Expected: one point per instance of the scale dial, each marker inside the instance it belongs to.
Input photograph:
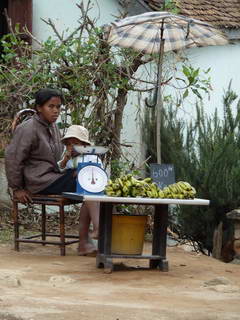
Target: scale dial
(92, 178)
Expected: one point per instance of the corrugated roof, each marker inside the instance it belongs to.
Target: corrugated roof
(221, 13)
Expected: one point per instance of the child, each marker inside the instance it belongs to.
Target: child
(79, 136)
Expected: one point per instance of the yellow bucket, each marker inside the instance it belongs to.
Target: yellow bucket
(128, 234)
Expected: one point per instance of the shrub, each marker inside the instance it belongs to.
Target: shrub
(206, 153)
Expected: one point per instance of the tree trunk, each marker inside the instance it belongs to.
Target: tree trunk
(217, 242)
(159, 104)
(121, 102)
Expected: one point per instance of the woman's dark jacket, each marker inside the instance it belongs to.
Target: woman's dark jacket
(32, 155)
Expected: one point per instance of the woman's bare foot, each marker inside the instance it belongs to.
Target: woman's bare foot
(87, 249)
(93, 234)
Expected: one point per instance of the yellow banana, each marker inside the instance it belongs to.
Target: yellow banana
(110, 193)
(193, 190)
(185, 185)
(173, 188)
(149, 194)
(160, 194)
(128, 184)
(118, 193)
(119, 182)
(177, 186)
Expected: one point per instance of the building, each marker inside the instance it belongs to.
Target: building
(223, 61)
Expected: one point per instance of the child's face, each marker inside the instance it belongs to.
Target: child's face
(74, 141)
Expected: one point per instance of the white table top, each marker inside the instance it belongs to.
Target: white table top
(139, 200)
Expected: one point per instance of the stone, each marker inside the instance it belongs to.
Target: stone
(10, 280)
(234, 214)
(225, 288)
(236, 260)
(236, 248)
(58, 281)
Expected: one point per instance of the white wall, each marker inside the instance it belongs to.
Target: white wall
(65, 14)
(5, 200)
(131, 131)
(224, 62)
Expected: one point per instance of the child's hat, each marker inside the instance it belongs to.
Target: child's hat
(78, 132)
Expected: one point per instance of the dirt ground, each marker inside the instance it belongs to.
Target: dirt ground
(38, 284)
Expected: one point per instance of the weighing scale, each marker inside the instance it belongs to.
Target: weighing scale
(91, 177)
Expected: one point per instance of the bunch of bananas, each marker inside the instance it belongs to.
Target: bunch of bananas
(129, 186)
(179, 190)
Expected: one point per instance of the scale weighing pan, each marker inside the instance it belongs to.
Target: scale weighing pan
(90, 149)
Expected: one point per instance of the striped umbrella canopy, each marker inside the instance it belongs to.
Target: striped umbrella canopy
(145, 32)
(159, 32)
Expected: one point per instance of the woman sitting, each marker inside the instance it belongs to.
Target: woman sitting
(33, 154)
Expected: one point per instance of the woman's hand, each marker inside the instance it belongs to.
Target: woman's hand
(22, 196)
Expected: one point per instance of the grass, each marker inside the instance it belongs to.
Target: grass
(6, 235)
(31, 223)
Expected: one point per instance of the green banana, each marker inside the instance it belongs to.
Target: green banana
(129, 186)
(148, 180)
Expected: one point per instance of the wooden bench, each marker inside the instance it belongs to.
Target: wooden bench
(46, 200)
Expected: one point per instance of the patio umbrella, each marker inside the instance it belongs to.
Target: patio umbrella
(159, 32)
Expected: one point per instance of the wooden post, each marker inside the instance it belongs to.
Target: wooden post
(217, 242)
(159, 104)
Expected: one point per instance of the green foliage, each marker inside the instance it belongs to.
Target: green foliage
(92, 77)
(169, 5)
(194, 82)
(120, 168)
(205, 153)
(1, 153)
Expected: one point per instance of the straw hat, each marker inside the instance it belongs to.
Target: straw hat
(78, 132)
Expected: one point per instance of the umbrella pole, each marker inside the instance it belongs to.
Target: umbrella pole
(159, 103)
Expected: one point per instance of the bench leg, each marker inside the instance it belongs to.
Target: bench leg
(62, 230)
(43, 223)
(16, 225)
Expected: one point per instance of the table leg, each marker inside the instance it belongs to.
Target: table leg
(159, 242)
(105, 237)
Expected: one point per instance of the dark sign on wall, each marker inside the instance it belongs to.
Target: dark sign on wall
(162, 174)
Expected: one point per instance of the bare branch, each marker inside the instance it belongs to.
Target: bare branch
(32, 36)
(52, 25)
(9, 22)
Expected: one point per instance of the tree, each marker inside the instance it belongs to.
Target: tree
(205, 153)
(95, 78)
(95, 83)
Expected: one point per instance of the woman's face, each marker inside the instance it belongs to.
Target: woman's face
(50, 110)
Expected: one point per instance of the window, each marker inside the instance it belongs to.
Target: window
(20, 11)
(3, 22)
